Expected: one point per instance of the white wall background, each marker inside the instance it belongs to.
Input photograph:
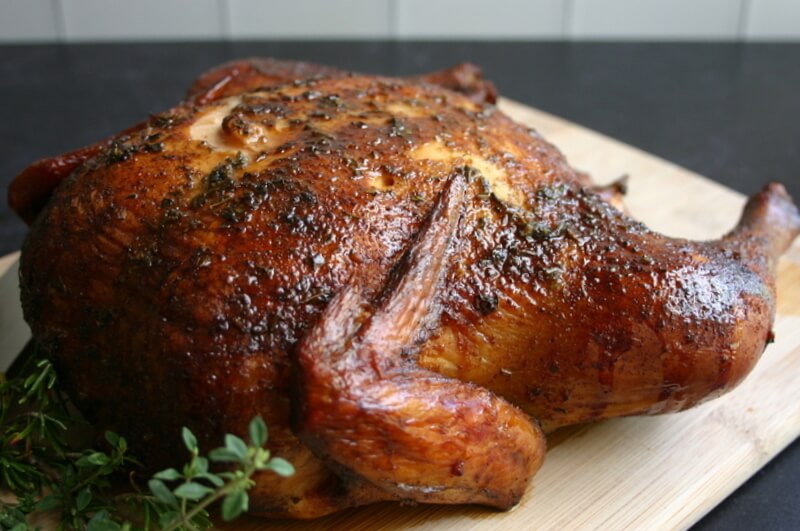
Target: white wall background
(111, 20)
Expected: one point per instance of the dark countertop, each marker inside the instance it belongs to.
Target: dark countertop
(730, 112)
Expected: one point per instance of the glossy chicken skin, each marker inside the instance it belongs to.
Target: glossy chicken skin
(30, 191)
(404, 283)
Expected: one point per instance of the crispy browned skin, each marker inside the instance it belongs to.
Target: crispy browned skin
(245, 75)
(420, 436)
(399, 270)
(31, 190)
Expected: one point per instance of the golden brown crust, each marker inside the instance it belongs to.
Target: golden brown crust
(616, 320)
(372, 412)
(245, 75)
(31, 189)
(172, 276)
(465, 78)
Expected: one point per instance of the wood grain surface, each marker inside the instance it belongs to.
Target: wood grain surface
(7, 261)
(645, 472)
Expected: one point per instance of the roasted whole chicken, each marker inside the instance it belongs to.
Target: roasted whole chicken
(409, 287)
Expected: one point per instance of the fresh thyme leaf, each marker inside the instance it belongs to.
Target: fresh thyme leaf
(93, 459)
(113, 439)
(160, 491)
(101, 521)
(258, 432)
(212, 478)
(169, 474)
(47, 503)
(280, 466)
(234, 504)
(83, 499)
(236, 446)
(192, 491)
(46, 474)
(166, 518)
(189, 440)
(223, 455)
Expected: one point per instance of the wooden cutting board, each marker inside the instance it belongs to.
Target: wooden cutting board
(635, 473)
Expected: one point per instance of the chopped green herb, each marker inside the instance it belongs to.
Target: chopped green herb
(45, 473)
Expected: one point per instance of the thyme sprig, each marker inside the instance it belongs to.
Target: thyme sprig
(40, 466)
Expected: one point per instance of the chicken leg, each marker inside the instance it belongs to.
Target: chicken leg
(614, 319)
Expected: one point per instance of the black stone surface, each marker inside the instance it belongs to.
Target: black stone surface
(730, 112)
